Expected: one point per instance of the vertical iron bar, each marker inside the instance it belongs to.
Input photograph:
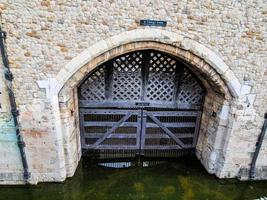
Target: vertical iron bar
(196, 131)
(143, 131)
(252, 171)
(179, 72)
(144, 73)
(82, 129)
(108, 80)
(14, 111)
(138, 131)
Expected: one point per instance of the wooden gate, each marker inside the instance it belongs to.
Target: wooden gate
(144, 102)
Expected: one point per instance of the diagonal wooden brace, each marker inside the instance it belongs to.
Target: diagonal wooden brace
(113, 128)
(167, 131)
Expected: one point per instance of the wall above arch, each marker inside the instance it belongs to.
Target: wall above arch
(148, 35)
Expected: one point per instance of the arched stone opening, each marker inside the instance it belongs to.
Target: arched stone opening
(143, 103)
(215, 118)
(221, 84)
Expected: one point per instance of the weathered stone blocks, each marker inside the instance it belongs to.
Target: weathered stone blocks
(50, 53)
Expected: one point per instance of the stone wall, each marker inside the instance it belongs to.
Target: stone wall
(44, 36)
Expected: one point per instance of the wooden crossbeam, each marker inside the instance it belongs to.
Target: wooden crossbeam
(167, 131)
(113, 128)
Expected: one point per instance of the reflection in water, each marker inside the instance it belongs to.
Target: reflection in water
(120, 165)
(183, 179)
(117, 165)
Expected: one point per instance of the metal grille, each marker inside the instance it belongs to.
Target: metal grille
(161, 80)
(93, 89)
(127, 77)
(190, 91)
(144, 102)
(145, 76)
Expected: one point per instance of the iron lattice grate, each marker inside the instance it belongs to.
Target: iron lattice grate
(93, 89)
(151, 76)
(190, 91)
(142, 102)
(126, 83)
(161, 79)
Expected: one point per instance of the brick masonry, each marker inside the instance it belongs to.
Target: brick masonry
(52, 45)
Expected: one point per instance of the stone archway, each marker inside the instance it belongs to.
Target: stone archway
(222, 86)
(143, 103)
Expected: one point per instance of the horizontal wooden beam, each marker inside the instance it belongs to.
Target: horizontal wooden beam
(108, 111)
(136, 112)
(134, 104)
(112, 147)
(133, 135)
(135, 124)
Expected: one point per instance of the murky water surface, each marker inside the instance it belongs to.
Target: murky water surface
(184, 179)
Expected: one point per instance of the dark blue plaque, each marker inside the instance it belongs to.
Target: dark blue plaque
(150, 22)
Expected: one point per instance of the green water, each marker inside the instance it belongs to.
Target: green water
(181, 180)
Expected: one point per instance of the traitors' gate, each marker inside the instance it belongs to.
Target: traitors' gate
(141, 103)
